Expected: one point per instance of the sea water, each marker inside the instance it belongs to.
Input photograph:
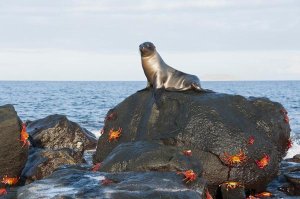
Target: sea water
(88, 102)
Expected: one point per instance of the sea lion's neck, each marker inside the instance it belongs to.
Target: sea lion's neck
(151, 64)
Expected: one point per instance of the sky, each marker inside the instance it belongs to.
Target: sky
(97, 40)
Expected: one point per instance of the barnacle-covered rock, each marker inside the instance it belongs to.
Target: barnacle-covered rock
(43, 162)
(57, 132)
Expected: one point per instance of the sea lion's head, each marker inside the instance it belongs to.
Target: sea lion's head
(147, 49)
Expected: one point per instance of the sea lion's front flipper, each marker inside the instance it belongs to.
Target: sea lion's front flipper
(157, 93)
(158, 90)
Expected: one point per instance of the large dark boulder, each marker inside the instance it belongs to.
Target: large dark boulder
(213, 125)
(148, 156)
(57, 132)
(79, 183)
(12, 156)
(42, 162)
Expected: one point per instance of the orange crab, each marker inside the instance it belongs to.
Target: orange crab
(187, 152)
(263, 194)
(189, 175)
(262, 163)
(3, 191)
(114, 134)
(24, 136)
(231, 185)
(251, 140)
(10, 181)
(106, 181)
(96, 167)
(235, 159)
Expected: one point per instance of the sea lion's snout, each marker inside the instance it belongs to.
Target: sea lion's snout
(146, 48)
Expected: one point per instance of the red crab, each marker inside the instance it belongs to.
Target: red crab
(286, 119)
(285, 116)
(289, 144)
(111, 116)
(283, 111)
(114, 134)
(3, 191)
(251, 140)
(207, 195)
(235, 159)
(189, 175)
(262, 163)
(106, 182)
(24, 136)
(96, 167)
(187, 152)
(10, 181)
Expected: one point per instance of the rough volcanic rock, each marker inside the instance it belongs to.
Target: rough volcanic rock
(42, 162)
(79, 183)
(57, 132)
(148, 156)
(12, 156)
(211, 125)
(233, 193)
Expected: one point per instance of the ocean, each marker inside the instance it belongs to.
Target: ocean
(88, 102)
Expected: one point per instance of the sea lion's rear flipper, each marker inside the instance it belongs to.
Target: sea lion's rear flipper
(197, 88)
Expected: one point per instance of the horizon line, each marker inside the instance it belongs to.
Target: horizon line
(141, 80)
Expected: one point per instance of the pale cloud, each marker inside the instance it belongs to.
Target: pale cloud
(229, 39)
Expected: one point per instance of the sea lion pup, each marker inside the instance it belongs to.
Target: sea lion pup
(162, 76)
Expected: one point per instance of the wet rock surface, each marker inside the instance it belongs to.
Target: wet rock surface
(148, 156)
(57, 132)
(287, 184)
(12, 156)
(215, 127)
(76, 182)
(42, 162)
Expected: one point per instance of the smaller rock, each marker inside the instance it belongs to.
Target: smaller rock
(296, 159)
(70, 183)
(42, 163)
(148, 156)
(57, 132)
(286, 185)
(294, 179)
